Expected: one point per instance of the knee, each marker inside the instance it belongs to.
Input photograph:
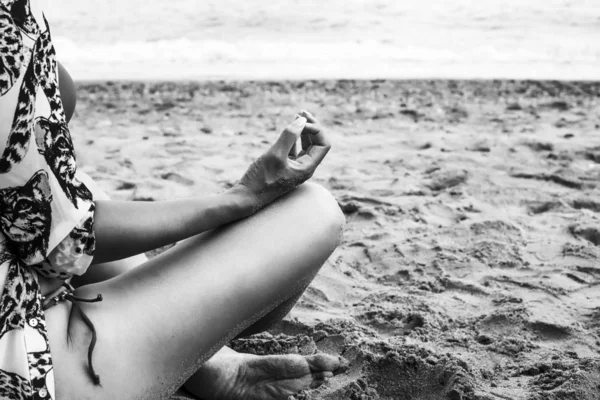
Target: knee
(320, 202)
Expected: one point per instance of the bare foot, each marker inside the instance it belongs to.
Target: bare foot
(229, 375)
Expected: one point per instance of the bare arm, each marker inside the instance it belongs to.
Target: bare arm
(126, 228)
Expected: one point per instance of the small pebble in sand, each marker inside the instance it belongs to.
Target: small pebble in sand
(484, 339)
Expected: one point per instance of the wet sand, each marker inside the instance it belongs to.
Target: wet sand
(469, 264)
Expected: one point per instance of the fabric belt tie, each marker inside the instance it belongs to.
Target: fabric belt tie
(65, 292)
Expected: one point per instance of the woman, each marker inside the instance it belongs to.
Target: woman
(243, 259)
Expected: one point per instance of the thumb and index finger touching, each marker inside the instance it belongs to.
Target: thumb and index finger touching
(314, 143)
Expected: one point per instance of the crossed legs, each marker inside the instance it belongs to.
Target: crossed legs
(160, 322)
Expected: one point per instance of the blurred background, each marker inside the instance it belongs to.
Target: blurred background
(299, 39)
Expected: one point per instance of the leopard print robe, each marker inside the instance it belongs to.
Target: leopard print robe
(46, 212)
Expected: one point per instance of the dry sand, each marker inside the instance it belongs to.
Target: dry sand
(469, 265)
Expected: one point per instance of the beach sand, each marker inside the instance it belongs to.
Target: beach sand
(469, 266)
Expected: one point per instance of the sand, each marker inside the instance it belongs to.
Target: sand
(469, 264)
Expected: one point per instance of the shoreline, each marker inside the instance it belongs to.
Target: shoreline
(186, 81)
(458, 88)
(300, 79)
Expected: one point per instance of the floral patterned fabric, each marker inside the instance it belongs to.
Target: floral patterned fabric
(46, 212)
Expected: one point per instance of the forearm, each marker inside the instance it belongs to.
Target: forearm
(126, 228)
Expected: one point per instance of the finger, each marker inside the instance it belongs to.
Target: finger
(295, 148)
(313, 156)
(312, 128)
(315, 145)
(305, 140)
(309, 117)
(293, 154)
(310, 159)
(306, 137)
(317, 134)
(326, 363)
(289, 136)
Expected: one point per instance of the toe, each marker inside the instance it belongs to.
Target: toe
(326, 362)
(321, 376)
(344, 365)
(316, 384)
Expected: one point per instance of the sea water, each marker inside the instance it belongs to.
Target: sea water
(300, 39)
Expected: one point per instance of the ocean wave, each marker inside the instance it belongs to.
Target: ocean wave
(206, 59)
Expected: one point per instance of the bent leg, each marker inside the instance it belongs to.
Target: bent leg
(159, 322)
(105, 271)
(273, 317)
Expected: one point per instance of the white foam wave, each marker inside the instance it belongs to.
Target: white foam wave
(255, 59)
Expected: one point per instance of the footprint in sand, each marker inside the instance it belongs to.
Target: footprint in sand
(446, 178)
(590, 233)
(175, 177)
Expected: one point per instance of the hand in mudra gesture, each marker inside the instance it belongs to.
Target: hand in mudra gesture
(280, 169)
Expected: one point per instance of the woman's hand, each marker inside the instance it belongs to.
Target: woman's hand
(280, 169)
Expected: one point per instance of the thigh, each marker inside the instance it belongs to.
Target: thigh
(105, 271)
(160, 321)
